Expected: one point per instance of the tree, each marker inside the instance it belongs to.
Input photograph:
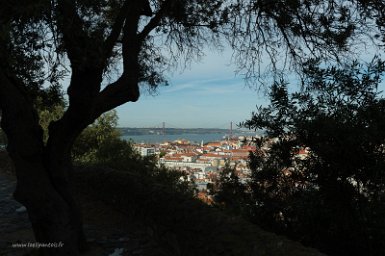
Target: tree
(230, 192)
(92, 40)
(332, 198)
(95, 136)
(92, 36)
(287, 33)
(100, 144)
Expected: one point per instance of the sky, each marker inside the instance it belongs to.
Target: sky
(208, 94)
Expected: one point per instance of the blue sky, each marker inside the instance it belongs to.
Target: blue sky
(208, 94)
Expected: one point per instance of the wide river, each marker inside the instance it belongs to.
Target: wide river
(198, 138)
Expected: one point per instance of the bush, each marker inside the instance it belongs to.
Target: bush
(100, 145)
(229, 193)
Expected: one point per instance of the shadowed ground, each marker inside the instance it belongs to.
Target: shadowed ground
(107, 229)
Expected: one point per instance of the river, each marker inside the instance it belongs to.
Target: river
(197, 138)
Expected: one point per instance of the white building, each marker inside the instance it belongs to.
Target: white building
(180, 165)
(147, 151)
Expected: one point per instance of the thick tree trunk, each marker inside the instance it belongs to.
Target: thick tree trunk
(42, 175)
(43, 170)
(53, 212)
(49, 213)
(60, 167)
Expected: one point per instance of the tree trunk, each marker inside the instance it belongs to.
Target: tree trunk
(48, 212)
(54, 215)
(43, 185)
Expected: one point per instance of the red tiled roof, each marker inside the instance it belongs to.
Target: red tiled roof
(250, 148)
(210, 155)
(189, 154)
(235, 158)
(171, 158)
(213, 144)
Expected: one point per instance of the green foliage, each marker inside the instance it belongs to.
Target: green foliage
(100, 144)
(229, 193)
(332, 198)
(26, 48)
(180, 224)
(299, 29)
(48, 115)
(94, 143)
(50, 105)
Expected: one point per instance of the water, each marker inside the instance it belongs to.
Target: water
(197, 138)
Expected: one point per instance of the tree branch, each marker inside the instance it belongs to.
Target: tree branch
(19, 120)
(116, 30)
(123, 15)
(71, 25)
(154, 22)
(126, 88)
(115, 94)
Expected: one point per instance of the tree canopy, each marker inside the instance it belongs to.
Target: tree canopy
(330, 197)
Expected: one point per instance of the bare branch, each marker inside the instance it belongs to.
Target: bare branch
(153, 23)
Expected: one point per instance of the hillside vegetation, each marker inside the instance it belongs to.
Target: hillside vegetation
(180, 224)
(183, 225)
(111, 171)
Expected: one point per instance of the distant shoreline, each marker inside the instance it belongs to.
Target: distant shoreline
(191, 137)
(126, 131)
